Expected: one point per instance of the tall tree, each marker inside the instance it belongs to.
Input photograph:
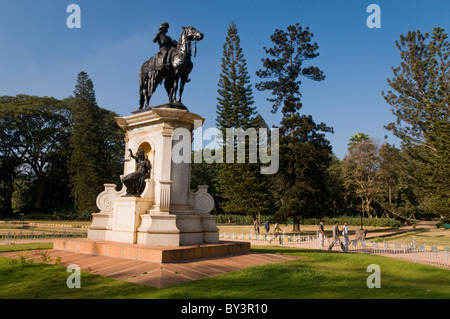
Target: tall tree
(235, 110)
(358, 137)
(336, 187)
(8, 174)
(301, 183)
(361, 171)
(285, 67)
(420, 99)
(305, 154)
(113, 146)
(235, 99)
(398, 196)
(96, 144)
(85, 172)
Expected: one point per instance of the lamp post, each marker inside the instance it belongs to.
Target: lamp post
(361, 233)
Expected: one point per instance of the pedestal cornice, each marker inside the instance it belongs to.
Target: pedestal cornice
(156, 115)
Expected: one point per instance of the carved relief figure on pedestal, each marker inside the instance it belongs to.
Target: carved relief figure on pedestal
(135, 182)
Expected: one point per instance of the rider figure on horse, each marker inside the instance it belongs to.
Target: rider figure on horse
(171, 65)
(165, 44)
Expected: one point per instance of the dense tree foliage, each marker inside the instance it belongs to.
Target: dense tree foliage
(285, 66)
(361, 171)
(338, 196)
(300, 184)
(420, 99)
(34, 139)
(44, 141)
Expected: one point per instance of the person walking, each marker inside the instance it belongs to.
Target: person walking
(276, 233)
(345, 234)
(267, 226)
(322, 234)
(336, 238)
(256, 225)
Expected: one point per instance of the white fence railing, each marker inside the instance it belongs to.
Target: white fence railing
(434, 255)
(10, 238)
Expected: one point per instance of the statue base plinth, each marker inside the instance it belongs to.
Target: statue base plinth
(176, 105)
(361, 234)
(164, 229)
(151, 253)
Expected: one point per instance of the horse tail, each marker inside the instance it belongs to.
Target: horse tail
(142, 75)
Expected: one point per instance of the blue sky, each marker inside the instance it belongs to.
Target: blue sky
(40, 55)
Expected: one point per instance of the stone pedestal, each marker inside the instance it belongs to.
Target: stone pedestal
(161, 254)
(126, 219)
(167, 213)
(361, 235)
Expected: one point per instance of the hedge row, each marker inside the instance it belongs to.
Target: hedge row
(238, 219)
(351, 220)
(241, 219)
(354, 221)
(78, 216)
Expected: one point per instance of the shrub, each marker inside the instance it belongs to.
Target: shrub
(62, 215)
(238, 219)
(351, 220)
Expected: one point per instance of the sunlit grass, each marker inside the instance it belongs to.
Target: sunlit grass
(318, 275)
(31, 246)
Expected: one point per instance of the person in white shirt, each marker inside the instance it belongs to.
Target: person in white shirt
(321, 234)
(345, 234)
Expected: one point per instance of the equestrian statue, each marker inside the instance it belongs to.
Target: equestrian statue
(172, 64)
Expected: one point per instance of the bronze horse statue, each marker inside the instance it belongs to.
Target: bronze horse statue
(175, 74)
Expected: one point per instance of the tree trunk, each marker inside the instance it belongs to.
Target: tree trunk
(369, 215)
(40, 192)
(390, 195)
(296, 225)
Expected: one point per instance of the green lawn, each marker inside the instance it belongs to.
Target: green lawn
(319, 275)
(428, 237)
(20, 247)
